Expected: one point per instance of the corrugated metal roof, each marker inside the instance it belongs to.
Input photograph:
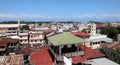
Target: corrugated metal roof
(11, 60)
(102, 39)
(65, 38)
(103, 61)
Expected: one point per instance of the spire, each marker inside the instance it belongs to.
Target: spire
(18, 23)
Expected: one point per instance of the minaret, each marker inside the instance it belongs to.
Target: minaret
(35, 25)
(18, 23)
(93, 29)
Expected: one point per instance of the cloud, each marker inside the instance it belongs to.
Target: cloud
(99, 16)
(79, 17)
(7, 16)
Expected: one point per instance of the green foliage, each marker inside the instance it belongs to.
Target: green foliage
(25, 27)
(96, 22)
(111, 32)
(115, 55)
(8, 22)
(109, 24)
(117, 58)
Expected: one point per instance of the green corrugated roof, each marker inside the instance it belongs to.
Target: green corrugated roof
(65, 38)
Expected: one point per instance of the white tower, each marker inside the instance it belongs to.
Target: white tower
(18, 23)
(93, 29)
(118, 37)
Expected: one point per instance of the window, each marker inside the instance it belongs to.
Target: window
(20, 40)
(35, 40)
(40, 40)
(2, 47)
(12, 44)
(92, 30)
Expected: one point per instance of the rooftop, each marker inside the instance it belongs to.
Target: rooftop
(26, 48)
(100, 26)
(41, 57)
(80, 34)
(100, 61)
(65, 38)
(11, 60)
(89, 53)
(113, 46)
(9, 25)
(3, 42)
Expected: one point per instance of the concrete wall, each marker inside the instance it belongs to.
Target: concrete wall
(3, 30)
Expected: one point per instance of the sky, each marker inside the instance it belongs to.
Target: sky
(60, 10)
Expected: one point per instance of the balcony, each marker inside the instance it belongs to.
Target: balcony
(73, 54)
(2, 49)
(60, 58)
(68, 54)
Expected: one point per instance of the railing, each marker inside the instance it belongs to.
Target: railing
(58, 57)
(11, 46)
(2, 49)
(73, 54)
(12, 31)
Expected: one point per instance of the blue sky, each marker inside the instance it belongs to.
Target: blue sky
(60, 10)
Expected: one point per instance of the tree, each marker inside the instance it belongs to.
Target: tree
(111, 32)
(25, 27)
(117, 58)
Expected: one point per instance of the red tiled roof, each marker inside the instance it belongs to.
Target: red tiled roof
(100, 26)
(89, 53)
(77, 59)
(3, 42)
(49, 31)
(80, 34)
(41, 57)
(113, 46)
(47, 25)
(25, 48)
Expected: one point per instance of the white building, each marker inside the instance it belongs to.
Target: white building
(82, 27)
(97, 39)
(99, 61)
(10, 29)
(32, 37)
(53, 27)
(118, 37)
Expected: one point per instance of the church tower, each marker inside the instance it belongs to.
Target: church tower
(93, 29)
